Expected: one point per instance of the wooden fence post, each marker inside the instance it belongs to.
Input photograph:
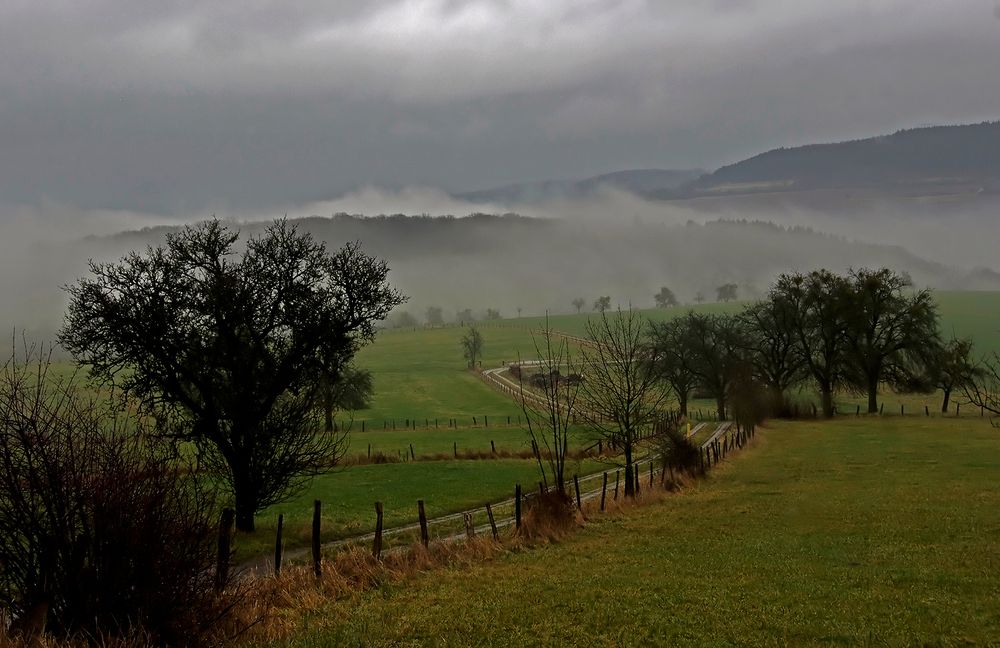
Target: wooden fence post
(470, 530)
(493, 446)
(517, 505)
(317, 565)
(377, 544)
(635, 478)
(617, 475)
(277, 545)
(369, 451)
(424, 536)
(225, 539)
(604, 490)
(493, 524)
(455, 448)
(576, 485)
(413, 456)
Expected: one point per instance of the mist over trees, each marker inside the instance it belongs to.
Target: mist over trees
(505, 262)
(726, 292)
(472, 346)
(665, 298)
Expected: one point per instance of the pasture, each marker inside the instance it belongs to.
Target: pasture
(348, 496)
(419, 375)
(851, 532)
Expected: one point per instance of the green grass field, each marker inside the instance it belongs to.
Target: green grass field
(419, 373)
(874, 532)
(348, 497)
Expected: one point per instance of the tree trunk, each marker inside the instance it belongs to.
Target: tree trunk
(873, 397)
(683, 405)
(944, 403)
(720, 403)
(245, 505)
(244, 519)
(629, 480)
(827, 397)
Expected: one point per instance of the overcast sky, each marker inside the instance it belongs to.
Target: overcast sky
(174, 107)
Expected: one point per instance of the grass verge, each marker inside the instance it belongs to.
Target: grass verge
(854, 532)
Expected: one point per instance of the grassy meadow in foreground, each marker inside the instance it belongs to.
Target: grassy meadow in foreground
(867, 531)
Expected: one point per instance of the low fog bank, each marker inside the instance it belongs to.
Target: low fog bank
(613, 244)
(41, 249)
(959, 230)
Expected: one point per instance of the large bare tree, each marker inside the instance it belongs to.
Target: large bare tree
(549, 404)
(622, 395)
(674, 362)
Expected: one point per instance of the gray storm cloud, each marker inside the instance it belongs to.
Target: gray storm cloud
(181, 106)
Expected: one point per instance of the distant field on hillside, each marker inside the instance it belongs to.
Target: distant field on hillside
(852, 532)
(419, 373)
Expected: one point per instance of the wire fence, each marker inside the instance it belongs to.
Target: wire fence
(493, 517)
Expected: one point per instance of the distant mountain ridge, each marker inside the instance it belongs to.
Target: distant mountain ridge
(962, 160)
(908, 161)
(638, 181)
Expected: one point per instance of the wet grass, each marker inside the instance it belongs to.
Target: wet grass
(853, 532)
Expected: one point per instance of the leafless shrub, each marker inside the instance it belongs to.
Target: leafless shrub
(103, 532)
(678, 455)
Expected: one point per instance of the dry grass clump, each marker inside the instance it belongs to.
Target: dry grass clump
(133, 640)
(278, 604)
(549, 518)
(362, 459)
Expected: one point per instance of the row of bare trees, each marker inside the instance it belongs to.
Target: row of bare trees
(856, 332)
(617, 398)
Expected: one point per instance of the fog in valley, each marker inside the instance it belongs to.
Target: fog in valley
(533, 257)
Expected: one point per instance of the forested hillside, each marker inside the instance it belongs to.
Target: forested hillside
(913, 159)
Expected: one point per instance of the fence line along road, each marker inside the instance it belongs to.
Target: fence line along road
(503, 512)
